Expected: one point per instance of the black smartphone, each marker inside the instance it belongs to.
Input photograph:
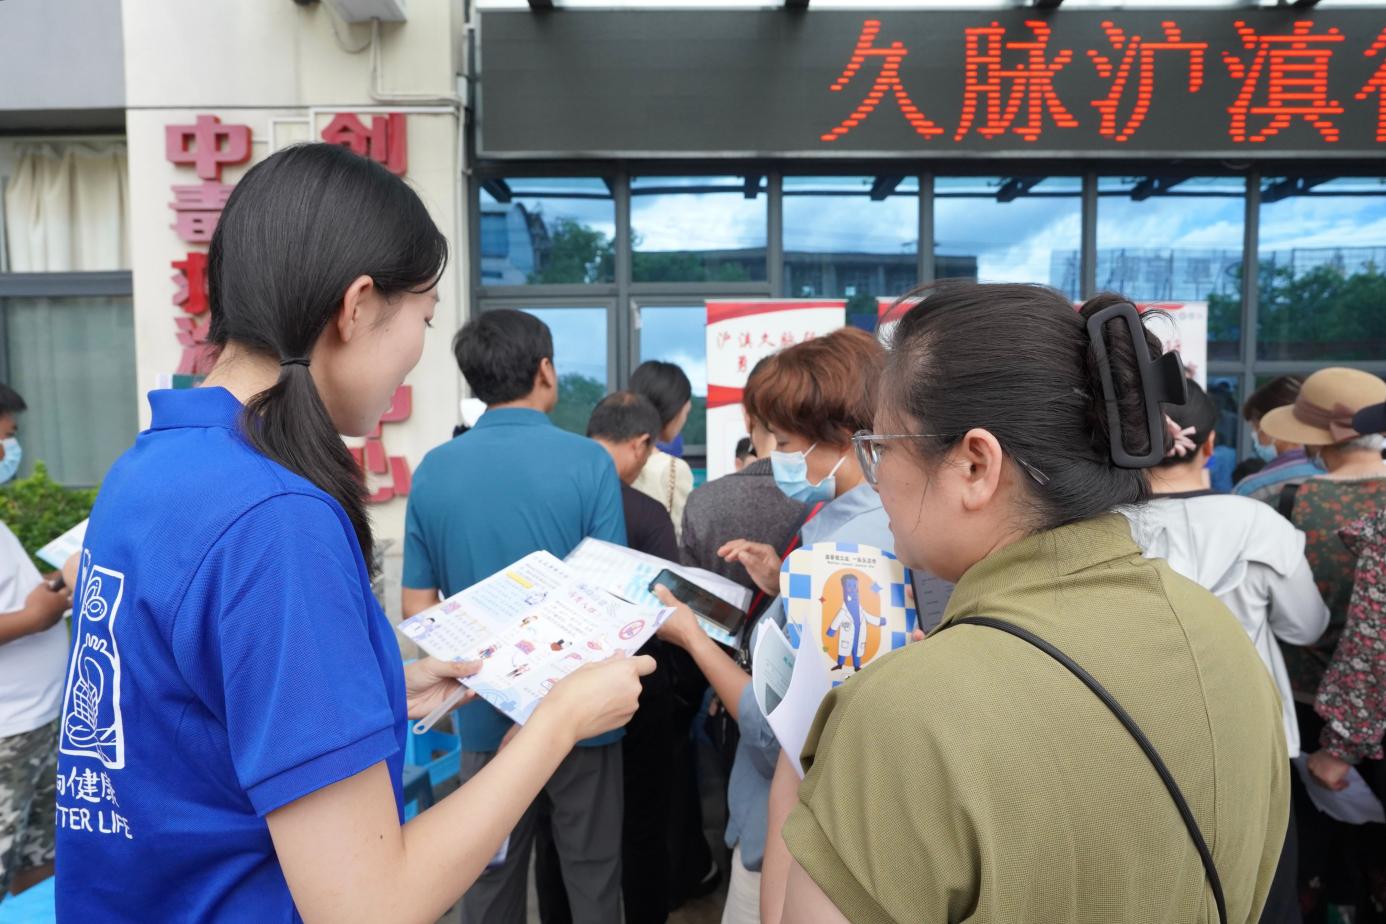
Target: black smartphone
(709, 606)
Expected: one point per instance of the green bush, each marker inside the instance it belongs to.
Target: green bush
(38, 510)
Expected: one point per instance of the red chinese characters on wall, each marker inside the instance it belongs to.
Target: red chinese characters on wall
(392, 472)
(748, 344)
(207, 146)
(1274, 80)
(386, 141)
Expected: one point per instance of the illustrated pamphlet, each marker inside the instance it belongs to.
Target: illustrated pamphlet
(530, 625)
(847, 601)
(845, 606)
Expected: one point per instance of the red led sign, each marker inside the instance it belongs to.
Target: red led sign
(1185, 83)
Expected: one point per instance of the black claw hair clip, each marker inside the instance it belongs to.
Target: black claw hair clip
(1162, 382)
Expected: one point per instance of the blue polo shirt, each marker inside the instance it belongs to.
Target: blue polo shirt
(511, 485)
(228, 659)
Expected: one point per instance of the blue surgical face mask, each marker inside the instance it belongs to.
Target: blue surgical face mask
(1263, 452)
(791, 474)
(9, 466)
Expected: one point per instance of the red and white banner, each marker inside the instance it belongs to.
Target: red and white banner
(739, 334)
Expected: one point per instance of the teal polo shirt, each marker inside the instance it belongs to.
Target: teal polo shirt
(511, 485)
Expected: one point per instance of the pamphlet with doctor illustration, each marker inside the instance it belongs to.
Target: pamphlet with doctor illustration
(845, 606)
(530, 625)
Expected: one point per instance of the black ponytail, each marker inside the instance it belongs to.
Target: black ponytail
(1016, 360)
(296, 231)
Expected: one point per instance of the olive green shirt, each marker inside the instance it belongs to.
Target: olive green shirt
(971, 777)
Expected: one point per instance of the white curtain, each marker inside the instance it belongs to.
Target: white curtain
(67, 208)
(71, 357)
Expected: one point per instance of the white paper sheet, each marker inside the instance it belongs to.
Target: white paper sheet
(791, 720)
(531, 625)
(1355, 805)
(628, 573)
(57, 552)
(772, 666)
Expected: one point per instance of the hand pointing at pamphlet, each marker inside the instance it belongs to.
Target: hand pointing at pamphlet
(596, 698)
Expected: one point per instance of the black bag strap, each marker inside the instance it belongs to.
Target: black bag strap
(1110, 702)
(1286, 504)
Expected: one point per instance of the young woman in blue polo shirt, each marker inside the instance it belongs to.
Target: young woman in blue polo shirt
(233, 723)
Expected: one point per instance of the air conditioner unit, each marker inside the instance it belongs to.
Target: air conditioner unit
(366, 10)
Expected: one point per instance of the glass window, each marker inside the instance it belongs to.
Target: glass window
(851, 237)
(579, 356)
(1009, 229)
(537, 231)
(678, 335)
(73, 361)
(1225, 390)
(1170, 239)
(1322, 269)
(698, 229)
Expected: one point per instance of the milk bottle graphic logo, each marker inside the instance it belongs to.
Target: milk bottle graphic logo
(91, 707)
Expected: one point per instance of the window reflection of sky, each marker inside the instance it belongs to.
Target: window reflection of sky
(1035, 237)
(1013, 241)
(677, 335)
(557, 198)
(840, 242)
(1182, 244)
(719, 221)
(1333, 215)
(579, 340)
(837, 215)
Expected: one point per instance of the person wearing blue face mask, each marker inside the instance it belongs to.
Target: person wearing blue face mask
(792, 473)
(1286, 463)
(11, 406)
(813, 398)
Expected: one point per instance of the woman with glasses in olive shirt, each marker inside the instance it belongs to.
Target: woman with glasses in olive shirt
(973, 777)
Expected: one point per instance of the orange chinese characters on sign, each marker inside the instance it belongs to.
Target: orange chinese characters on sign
(374, 460)
(1138, 55)
(1005, 93)
(1377, 84)
(1285, 79)
(386, 142)
(887, 81)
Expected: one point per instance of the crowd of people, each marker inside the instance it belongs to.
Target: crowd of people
(1136, 704)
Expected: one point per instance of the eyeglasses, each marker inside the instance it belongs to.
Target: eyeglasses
(870, 447)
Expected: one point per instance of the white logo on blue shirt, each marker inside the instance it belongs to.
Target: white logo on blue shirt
(92, 724)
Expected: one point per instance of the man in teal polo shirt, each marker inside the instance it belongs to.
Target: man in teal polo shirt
(511, 485)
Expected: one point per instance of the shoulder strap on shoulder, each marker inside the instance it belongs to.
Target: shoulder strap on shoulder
(1286, 502)
(1129, 723)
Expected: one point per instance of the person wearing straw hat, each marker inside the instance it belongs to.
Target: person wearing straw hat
(1352, 695)
(1353, 487)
